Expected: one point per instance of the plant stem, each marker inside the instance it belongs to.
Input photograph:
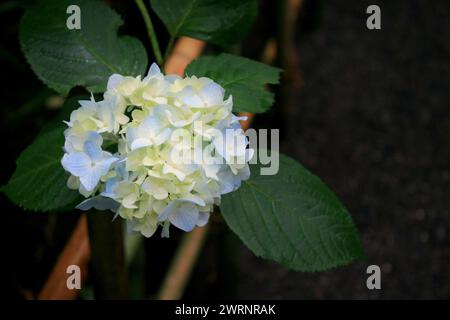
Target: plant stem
(169, 48)
(109, 272)
(182, 265)
(151, 32)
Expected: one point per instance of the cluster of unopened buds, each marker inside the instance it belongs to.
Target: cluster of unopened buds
(156, 151)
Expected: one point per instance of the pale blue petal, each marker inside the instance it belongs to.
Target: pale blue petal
(109, 188)
(99, 203)
(77, 163)
(154, 70)
(131, 134)
(171, 78)
(90, 180)
(95, 137)
(203, 218)
(105, 164)
(237, 182)
(93, 150)
(194, 199)
(167, 211)
(185, 217)
(226, 179)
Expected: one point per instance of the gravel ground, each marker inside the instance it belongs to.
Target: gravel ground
(372, 120)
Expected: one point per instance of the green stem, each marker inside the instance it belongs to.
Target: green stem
(169, 48)
(151, 32)
(109, 272)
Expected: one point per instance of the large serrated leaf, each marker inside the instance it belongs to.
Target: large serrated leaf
(243, 78)
(221, 22)
(39, 182)
(292, 218)
(64, 58)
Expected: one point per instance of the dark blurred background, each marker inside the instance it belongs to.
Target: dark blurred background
(366, 110)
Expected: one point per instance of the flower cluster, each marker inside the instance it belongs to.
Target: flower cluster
(157, 151)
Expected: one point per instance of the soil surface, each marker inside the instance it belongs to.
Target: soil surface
(371, 117)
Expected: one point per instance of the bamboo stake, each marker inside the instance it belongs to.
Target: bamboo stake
(185, 50)
(76, 252)
(182, 265)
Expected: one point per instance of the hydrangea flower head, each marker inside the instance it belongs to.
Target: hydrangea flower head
(157, 151)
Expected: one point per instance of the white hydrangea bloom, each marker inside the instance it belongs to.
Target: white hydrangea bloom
(171, 148)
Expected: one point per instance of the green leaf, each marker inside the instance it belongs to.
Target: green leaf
(219, 22)
(64, 58)
(241, 77)
(292, 218)
(63, 114)
(39, 182)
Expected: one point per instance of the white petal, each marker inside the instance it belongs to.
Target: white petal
(73, 183)
(244, 173)
(249, 153)
(228, 104)
(160, 193)
(139, 143)
(150, 125)
(219, 145)
(211, 170)
(165, 230)
(189, 97)
(212, 94)
(113, 81)
(236, 119)
(153, 71)
(163, 136)
(178, 173)
(129, 201)
(132, 134)
(193, 101)
(148, 230)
